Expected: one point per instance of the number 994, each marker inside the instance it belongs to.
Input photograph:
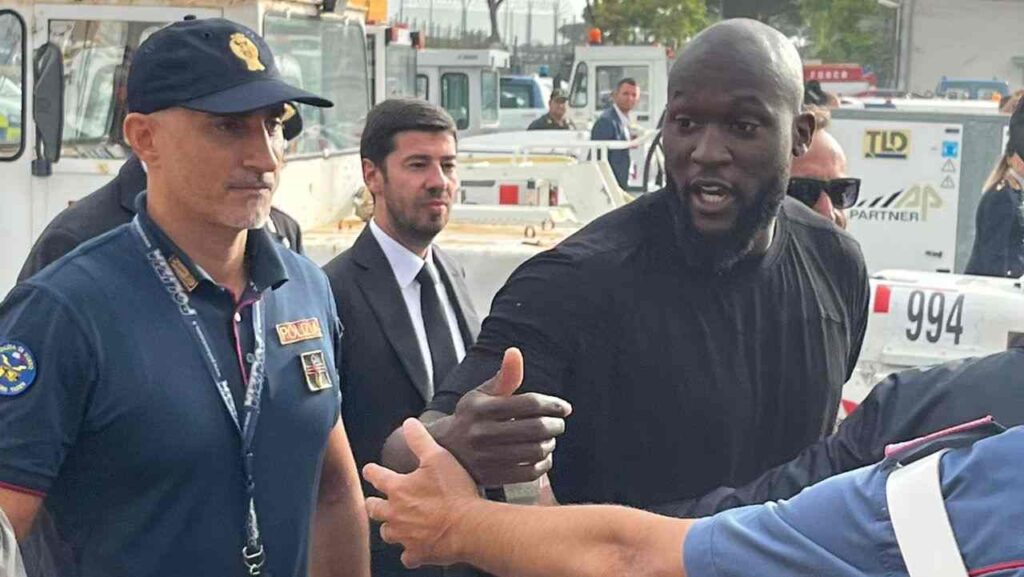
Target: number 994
(928, 316)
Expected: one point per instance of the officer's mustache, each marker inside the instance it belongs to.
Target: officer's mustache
(259, 182)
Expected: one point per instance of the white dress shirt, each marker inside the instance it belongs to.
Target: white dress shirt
(623, 121)
(406, 265)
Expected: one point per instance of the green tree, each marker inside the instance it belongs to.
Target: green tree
(667, 22)
(858, 31)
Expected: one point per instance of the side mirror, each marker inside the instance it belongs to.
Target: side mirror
(48, 107)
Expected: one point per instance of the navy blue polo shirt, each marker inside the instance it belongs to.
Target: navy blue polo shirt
(122, 428)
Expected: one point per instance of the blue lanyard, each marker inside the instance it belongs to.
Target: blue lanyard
(253, 556)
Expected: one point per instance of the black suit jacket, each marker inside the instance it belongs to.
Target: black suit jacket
(384, 378)
(383, 375)
(108, 208)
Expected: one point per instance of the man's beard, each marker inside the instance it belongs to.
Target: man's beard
(718, 254)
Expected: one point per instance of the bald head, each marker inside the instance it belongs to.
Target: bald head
(824, 160)
(746, 51)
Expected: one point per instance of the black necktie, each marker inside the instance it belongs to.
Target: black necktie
(439, 335)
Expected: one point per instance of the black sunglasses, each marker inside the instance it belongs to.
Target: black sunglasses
(843, 192)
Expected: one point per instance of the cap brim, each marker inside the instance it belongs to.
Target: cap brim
(253, 96)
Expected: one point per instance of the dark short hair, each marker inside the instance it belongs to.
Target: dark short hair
(627, 80)
(397, 115)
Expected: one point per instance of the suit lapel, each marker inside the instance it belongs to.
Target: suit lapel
(458, 294)
(377, 281)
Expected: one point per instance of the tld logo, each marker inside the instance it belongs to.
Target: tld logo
(886, 144)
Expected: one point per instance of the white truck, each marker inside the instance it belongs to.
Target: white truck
(598, 69)
(392, 52)
(63, 69)
(465, 83)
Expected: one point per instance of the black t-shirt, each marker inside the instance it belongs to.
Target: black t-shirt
(680, 381)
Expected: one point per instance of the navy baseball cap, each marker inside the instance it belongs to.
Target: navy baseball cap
(210, 65)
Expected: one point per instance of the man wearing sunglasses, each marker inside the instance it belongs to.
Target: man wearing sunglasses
(818, 179)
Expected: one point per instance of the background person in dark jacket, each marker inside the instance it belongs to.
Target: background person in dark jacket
(904, 406)
(556, 117)
(613, 124)
(999, 223)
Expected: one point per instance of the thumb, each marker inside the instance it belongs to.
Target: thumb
(419, 440)
(508, 377)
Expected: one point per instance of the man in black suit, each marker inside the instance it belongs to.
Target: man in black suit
(613, 124)
(113, 204)
(404, 303)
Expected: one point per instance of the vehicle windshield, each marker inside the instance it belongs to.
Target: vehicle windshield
(97, 54)
(489, 96)
(608, 78)
(11, 67)
(518, 93)
(326, 57)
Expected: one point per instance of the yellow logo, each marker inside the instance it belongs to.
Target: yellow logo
(184, 275)
(246, 51)
(289, 112)
(297, 331)
(886, 144)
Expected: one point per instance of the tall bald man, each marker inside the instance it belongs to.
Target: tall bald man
(701, 333)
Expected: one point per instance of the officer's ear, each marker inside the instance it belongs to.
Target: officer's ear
(138, 132)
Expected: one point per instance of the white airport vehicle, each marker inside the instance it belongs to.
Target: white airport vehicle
(392, 51)
(598, 69)
(524, 98)
(465, 83)
(920, 319)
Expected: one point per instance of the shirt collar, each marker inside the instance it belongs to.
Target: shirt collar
(405, 263)
(265, 267)
(622, 116)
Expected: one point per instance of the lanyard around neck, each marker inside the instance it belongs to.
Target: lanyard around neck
(253, 556)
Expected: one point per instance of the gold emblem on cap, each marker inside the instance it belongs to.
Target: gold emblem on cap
(246, 51)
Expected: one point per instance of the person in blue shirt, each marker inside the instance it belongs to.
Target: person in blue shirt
(838, 528)
(167, 389)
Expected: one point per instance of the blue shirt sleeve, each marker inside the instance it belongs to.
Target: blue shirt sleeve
(41, 423)
(841, 526)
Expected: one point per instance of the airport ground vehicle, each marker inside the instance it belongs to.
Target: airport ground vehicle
(392, 51)
(967, 89)
(68, 62)
(465, 83)
(524, 98)
(598, 69)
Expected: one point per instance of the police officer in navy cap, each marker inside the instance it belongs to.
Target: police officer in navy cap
(113, 204)
(167, 390)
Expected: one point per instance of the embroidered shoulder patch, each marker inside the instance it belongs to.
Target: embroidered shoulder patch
(17, 368)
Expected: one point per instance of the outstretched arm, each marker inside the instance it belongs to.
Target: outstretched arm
(436, 515)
